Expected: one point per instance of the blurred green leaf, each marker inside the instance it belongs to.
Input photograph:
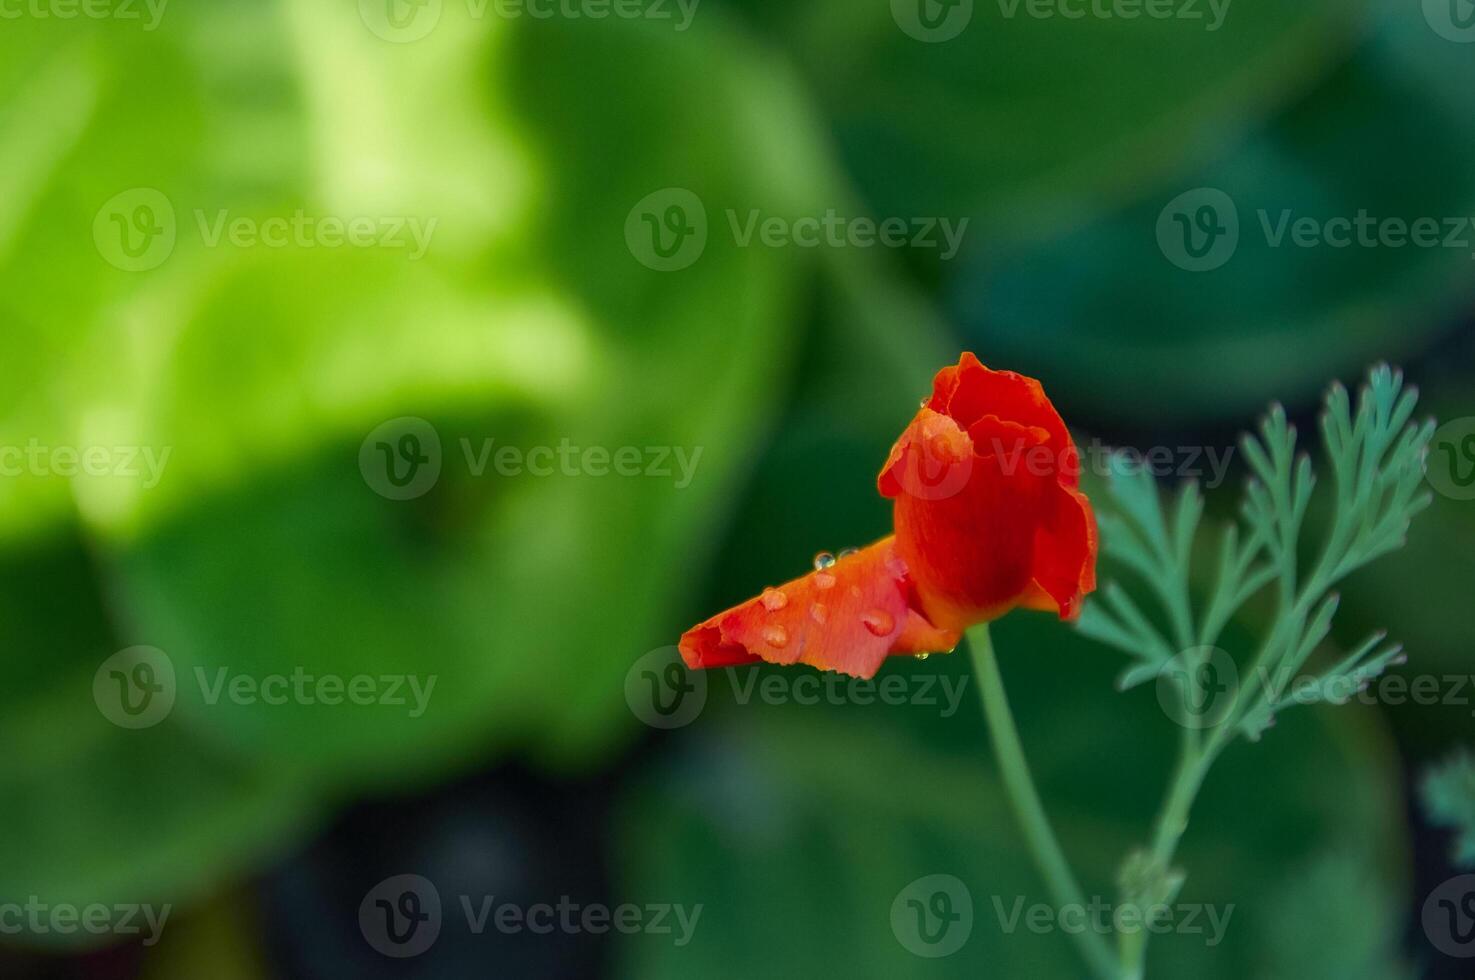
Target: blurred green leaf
(1019, 120)
(1272, 322)
(264, 551)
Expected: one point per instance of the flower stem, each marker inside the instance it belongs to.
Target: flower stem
(1025, 801)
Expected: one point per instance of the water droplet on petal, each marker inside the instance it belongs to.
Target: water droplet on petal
(847, 552)
(923, 656)
(823, 560)
(774, 600)
(819, 613)
(879, 622)
(776, 636)
(897, 567)
(824, 580)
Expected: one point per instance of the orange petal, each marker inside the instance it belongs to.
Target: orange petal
(1065, 554)
(846, 618)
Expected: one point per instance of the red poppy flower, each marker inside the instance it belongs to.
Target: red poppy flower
(988, 516)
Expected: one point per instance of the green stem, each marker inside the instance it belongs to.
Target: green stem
(1025, 801)
(1172, 821)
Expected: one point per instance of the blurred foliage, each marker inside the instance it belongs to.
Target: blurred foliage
(529, 321)
(1449, 795)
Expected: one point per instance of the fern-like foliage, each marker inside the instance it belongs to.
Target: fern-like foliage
(1448, 792)
(1376, 457)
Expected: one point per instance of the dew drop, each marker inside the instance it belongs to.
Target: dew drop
(846, 553)
(897, 567)
(879, 622)
(823, 560)
(923, 656)
(776, 636)
(819, 613)
(824, 580)
(774, 600)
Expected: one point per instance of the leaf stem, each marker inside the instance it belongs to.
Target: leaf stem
(1024, 799)
(1172, 820)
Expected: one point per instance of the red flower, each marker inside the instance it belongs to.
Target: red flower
(988, 516)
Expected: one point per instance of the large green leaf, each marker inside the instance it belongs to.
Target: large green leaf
(265, 551)
(490, 582)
